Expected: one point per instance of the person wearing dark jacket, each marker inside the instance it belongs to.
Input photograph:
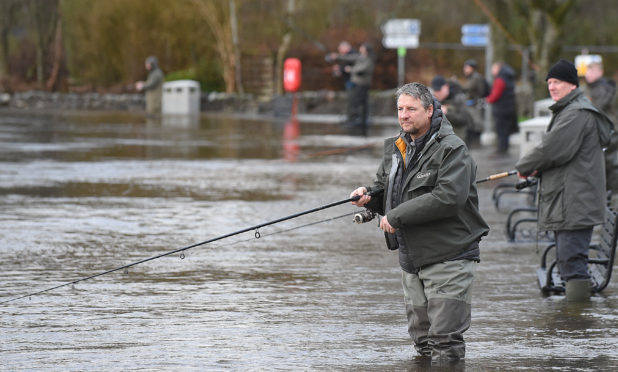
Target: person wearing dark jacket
(453, 103)
(430, 214)
(153, 86)
(476, 88)
(503, 104)
(360, 67)
(569, 162)
(601, 92)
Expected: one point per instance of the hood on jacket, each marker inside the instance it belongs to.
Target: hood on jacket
(507, 73)
(605, 126)
(154, 63)
(436, 117)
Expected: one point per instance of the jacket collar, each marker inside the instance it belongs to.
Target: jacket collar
(564, 101)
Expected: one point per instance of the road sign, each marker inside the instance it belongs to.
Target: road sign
(401, 33)
(582, 62)
(475, 29)
(474, 40)
(403, 26)
(400, 41)
(475, 34)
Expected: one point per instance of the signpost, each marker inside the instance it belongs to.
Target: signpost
(401, 34)
(479, 35)
(475, 34)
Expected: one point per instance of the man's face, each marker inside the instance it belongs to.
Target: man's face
(413, 118)
(593, 73)
(495, 69)
(468, 70)
(442, 93)
(558, 89)
(344, 48)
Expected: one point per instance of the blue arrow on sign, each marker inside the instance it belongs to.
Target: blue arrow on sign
(475, 29)
(474, 40)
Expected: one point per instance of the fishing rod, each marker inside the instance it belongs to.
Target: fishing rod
(497, 176)
(181, 250)
(294, 228)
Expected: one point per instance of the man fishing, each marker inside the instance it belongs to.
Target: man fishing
(430, 214)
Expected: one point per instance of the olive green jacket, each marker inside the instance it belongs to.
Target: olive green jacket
(570, 162)
(438, 215)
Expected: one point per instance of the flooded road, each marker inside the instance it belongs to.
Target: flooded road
(83, 194)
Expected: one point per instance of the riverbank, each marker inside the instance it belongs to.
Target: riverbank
(320, 106)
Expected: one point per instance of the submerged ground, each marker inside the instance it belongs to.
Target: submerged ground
(84, 193)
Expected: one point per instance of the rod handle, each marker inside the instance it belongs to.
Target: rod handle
(370, 193)
(497, 176)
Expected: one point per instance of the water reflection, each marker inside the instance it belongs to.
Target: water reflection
(291, 132)
(86, 193)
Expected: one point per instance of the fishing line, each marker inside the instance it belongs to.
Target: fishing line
(181, 250)
(288, 230)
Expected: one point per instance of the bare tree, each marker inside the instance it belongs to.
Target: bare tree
(545, 20)
(283, 47)
(8, 8)
(43, 16)
(218, 18)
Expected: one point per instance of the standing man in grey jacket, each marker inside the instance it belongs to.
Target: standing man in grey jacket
(430, 209)
(153, 86)
(571, 167)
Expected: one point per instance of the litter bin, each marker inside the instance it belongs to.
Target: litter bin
(531, 133)
(541, 108)
(181, 97)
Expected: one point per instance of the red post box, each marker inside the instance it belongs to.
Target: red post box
(291, 74)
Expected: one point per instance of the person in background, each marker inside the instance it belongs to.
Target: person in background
(503, 104)
(570, 165)
(476, 88)
(360, 67)
(341, 68)
(153, 86)
(453, 101)
(601, 91)
(429, 205)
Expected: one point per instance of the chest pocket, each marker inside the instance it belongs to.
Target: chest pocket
(422, 182)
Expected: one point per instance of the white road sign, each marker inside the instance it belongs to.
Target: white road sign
(401, 33)
(400, 41)
(404, 26)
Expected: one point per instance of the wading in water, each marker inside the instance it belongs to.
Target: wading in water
(430, 214)
(153, 86)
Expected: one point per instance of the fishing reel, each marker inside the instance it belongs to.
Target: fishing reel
(364, 216)
(528, 182)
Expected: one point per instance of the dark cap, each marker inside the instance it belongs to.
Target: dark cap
(438, 82)
(565, 71)
(471, 62)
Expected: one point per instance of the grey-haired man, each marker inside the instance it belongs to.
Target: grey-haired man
(430, 214)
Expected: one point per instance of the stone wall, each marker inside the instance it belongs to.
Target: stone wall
(319, 102)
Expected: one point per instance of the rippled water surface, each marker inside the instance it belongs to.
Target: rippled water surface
(84, 194)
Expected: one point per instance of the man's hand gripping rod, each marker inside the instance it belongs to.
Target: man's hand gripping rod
(366, 215)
